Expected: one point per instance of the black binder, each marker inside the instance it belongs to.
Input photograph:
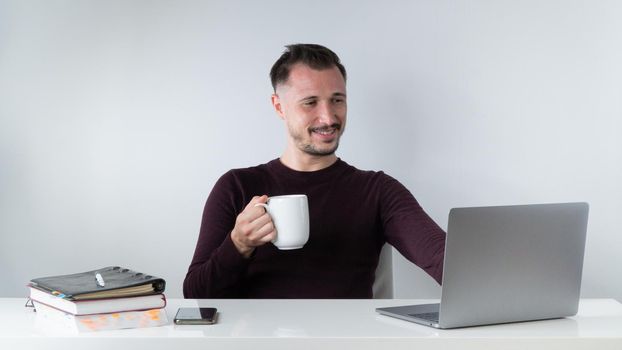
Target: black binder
(112, 282)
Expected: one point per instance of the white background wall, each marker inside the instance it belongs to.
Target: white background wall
(117, 117)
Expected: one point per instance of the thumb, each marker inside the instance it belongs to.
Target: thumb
(256, 200)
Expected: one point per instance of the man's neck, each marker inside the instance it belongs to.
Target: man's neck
(307, 162)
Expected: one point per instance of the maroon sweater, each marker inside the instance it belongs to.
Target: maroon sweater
(352, 214)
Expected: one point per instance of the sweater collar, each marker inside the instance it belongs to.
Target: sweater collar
(321, 174)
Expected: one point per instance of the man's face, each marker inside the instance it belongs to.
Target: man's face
(313, 105)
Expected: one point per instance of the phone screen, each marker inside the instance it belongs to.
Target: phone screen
(196, 315)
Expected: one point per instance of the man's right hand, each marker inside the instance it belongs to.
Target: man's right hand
(253, 227)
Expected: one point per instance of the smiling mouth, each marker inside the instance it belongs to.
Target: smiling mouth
(326, 130)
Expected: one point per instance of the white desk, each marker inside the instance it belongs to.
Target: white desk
(321, 324)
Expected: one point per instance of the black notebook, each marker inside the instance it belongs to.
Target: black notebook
(107, 282)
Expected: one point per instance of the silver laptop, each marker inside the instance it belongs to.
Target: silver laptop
(507, 264)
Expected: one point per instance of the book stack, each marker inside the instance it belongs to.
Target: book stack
(105, 299)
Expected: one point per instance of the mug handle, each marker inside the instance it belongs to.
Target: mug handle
(265, 206)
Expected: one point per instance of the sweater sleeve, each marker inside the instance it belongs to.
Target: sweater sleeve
(217, 268)
(410, 230)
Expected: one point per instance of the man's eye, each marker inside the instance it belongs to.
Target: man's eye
(309, 103)
(338, 100)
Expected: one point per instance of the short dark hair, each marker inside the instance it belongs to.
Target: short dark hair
(313, 55)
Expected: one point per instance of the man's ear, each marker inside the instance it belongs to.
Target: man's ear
(276, 103)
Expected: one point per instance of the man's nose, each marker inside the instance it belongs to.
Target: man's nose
(328, 114)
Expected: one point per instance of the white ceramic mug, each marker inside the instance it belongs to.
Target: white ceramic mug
(290, 215)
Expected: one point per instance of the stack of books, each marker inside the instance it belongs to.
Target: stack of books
(109, 298)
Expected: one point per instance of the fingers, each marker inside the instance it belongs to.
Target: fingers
(261, 220)
(259, 228)
(253, 227)
(256, 200)
(252, 211)
(269, 237)
(266, 233)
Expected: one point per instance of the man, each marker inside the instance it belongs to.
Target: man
(352, 212)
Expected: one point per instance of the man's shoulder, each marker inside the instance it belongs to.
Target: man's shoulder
(371, 177)
(366, 173)
(247, 175)
(261, 168)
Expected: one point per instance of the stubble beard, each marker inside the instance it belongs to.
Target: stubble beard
(314, 151)
(311, 149)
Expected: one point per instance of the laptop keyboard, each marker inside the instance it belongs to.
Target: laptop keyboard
(429, 316)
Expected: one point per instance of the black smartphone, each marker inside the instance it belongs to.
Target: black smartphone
(196, 315)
